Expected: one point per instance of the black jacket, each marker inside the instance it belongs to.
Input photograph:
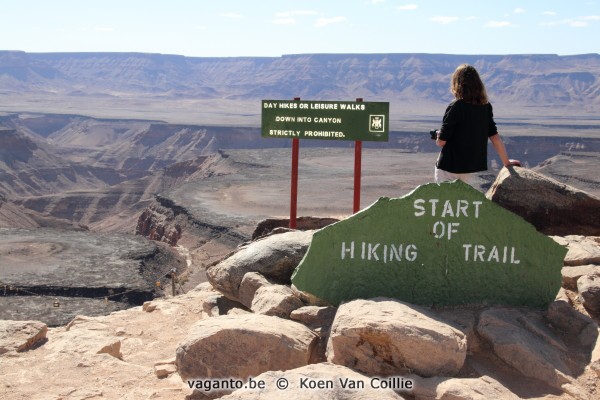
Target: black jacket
(466, 128)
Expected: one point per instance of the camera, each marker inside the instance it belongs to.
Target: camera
(433, 134)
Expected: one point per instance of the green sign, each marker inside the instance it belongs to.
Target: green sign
(442, 244)
(330, 120)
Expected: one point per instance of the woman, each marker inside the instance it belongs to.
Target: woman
(466, 127)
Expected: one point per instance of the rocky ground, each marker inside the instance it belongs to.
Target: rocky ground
(249, 322)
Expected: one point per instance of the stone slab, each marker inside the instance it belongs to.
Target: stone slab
(441, 244)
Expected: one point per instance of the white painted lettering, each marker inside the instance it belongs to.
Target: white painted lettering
(372, 251)
(461, 206)
(396, 253)
(433, 203)
(494, 255)
(411, 252)
(513, 259)
(418, 204)
(483, 254)
(467, 248)
(376, 252)
(477, 204)
(385, 253)
(447, 209)
(439, 230)
(478, 252)
(345, 250)
(452, 228)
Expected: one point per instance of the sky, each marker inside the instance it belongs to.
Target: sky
(234, 28)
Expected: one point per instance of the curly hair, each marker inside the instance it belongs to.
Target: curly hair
(467, 85)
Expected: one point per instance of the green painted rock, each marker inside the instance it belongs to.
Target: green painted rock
(441, 244)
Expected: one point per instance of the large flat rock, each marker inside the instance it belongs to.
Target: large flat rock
(387, 337)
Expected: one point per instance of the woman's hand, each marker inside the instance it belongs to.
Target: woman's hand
(438, 141)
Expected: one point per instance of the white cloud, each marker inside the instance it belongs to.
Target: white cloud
(284, 21)
(498, 24)
(377, 1)
(444, 19)
(232, 15)
(289, 17)
(580, 22)
(553, 23)
(518, 10)
(321, 22)
(104, 29)
(577, 24)
(407, 7)
(550, 13)
(294, 13)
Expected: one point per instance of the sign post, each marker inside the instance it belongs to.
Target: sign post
(325, 120)
(357, 170)
(294, 188)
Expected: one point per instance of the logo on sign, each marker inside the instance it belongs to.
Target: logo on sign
(376, 123)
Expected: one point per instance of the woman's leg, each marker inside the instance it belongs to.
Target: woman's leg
(444, 176)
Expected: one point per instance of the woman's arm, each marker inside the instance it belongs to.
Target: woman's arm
(501, 150)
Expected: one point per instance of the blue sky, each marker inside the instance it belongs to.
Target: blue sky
(233, 28)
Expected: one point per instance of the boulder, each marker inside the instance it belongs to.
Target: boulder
(309, 298)
(218, 304)
(275, 300)
(582, 250)
(302, 384)
(565, 318)
(274, 257)
(243, 346)
(251, 282)
(529, 347)
(265, 227)
(595, 366)
(552, 207)
(465, 321)
(163, 369)
(21, 335)
(387, 337)
(482, 388)
(588, 287)
(87, 335)
(315, 317)
(570, 275)
(319, 319)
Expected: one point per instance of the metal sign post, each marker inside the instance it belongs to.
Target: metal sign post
(357, 170)
(294, 188)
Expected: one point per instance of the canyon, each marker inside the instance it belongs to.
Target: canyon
(169, 148)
